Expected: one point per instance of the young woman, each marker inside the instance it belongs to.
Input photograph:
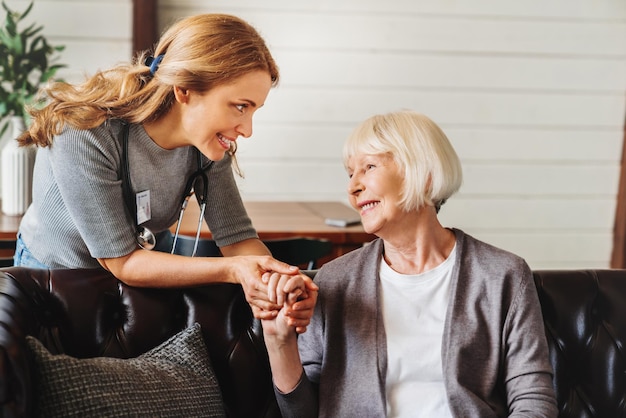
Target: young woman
(119, 152)
(425, 321)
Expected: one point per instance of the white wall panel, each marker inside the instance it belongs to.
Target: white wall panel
(293, 181)
(325, 180)
(531, 93)
(584, 146)
(96, 33)
(391, 69)
(515, 109)
(535, 214)
(578, 249)
(538, 180)
(83, 60)
(315, 141)
(433, 33)
(86, 20)
(595, 9)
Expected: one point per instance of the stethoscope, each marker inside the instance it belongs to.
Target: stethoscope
(144, 236)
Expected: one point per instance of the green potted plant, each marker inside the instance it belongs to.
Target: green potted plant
(27, 61)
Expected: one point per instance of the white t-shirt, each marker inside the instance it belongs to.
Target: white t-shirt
(414, 311)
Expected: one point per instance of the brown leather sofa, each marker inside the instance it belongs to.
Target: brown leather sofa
(84, 313)
(89, 313)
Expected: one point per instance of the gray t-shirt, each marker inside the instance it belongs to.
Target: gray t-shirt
(79, 213)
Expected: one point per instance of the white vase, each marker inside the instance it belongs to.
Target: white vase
(16, 172)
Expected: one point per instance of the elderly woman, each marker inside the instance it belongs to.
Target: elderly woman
(424, 321)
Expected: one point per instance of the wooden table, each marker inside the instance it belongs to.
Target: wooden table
(292, 219)
(8, 226)
(271, 219)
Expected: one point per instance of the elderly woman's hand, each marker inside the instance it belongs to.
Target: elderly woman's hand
(271, 285)
(248, 271)
(296, 294)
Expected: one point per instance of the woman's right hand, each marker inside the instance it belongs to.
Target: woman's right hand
(143, 268)
(285, 291)
(248, 271)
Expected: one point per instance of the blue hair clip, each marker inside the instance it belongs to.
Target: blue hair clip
(153, 63)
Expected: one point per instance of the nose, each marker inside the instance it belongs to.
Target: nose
(354, 185)
(245, 128)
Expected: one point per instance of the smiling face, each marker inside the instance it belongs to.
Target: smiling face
(212, 120)
(375, 190)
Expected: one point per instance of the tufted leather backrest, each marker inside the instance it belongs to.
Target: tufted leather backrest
(88, 313)
(585, 319)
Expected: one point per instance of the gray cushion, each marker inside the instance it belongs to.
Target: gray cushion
(175, 379)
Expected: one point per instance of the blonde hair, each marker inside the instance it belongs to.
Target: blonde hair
(199, 53)
(427, 161)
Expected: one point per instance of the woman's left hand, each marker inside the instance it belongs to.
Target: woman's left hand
(296, 294)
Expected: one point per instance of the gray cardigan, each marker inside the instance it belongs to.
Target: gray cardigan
(494, 351)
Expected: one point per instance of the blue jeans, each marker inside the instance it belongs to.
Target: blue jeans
(23, 257)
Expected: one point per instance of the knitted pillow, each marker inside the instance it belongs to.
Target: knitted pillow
(175, 379)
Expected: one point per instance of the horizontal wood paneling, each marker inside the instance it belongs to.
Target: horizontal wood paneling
(577, 249)
(84, 58)
(96, 33)
(569, 144)
(432, 33)
(568, 9)
(473, 108)
(314, 141)
(392, 69)
(527, 181)
(86, 19)
(548, 180)
(531, 94)
(530, 214)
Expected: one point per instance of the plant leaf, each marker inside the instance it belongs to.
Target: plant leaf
(27, 61)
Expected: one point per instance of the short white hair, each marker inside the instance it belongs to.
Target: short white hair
(425, 157)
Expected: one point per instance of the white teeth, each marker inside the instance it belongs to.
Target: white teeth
(224, 140)
(369, 206)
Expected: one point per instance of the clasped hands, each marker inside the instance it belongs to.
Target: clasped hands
(289, 298)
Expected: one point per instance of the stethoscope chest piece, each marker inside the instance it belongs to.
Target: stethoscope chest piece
(145, 238)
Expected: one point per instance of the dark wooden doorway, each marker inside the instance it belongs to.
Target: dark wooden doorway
(618, 257)
(145, 32)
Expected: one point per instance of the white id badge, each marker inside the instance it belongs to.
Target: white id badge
(143, 207)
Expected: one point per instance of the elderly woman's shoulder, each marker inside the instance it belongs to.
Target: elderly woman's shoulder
(488, 255)
(356, 263)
